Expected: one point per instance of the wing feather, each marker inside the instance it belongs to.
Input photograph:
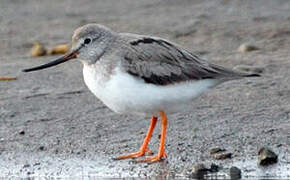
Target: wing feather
(160, 62)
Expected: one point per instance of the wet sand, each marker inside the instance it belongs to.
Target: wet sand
(51, 125)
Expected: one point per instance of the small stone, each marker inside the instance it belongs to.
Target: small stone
(198, 171)
(235, 173)
(22, 132)
(8, 78)
(38, 49)
(216, 150)
(278, 145)
(266, 157)
(249, 69)
(223, 156)
(59, 49)
(198, 167)
(244, 48)
(41, 148)
(26, 166)
(214, 168)
(36, 164)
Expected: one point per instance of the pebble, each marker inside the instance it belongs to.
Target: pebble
(59, 49)
(266, 157)
(38, 49)
(26, 165)
(249, 69)
(22, 132)
(244, 48)
(214, 168)
(216, 150)
(223, 156)
(8, 78)
(235, 173)
(36, 164)
(41, 148)
(198, 171)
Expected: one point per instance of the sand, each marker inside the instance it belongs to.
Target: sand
(52, 126)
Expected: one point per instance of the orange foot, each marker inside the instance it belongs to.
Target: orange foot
(153, 159)
(134, 155)
(143, 148)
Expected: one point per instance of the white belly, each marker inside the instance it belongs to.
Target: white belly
(126, 94)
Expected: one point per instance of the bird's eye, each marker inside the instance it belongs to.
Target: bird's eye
(87, 41)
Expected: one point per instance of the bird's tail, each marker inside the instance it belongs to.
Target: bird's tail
(225, 73)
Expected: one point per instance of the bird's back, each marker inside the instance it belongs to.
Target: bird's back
(161, 62)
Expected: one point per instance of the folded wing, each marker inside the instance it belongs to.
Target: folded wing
(160, 62)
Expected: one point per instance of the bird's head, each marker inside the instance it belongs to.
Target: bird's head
(89, 43)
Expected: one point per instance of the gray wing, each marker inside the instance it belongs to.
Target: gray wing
(160, 62)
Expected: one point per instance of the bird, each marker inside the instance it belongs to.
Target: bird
(142, 75)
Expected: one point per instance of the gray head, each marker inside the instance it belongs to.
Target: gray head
(89, 43)
(93, 40)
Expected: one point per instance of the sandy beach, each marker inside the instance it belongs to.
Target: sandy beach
(51, 125)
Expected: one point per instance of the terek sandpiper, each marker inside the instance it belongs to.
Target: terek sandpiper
(137, 74)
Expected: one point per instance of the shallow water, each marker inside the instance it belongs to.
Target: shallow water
(250, 169)
(40, 166)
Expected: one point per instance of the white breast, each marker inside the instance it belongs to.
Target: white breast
(126, 94)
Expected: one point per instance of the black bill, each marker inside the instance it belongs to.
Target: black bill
(71, 55)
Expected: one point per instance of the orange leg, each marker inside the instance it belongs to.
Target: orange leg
(161, 151)
(143, 148)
